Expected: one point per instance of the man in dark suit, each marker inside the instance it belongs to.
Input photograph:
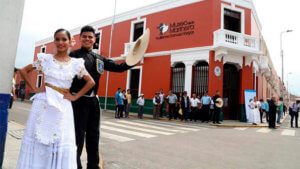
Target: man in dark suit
(272, 113)
(86, 109)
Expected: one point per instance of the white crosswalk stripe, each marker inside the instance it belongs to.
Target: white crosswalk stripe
(115, 137)
(127, 131)
(263, 130)
(137, 128)
(188, 128)
(288, 132)
(176, 124)
(151, 126)
(241, 128)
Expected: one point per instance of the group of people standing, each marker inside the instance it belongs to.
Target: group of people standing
(123, 103)
(186, 108)
(271, 108)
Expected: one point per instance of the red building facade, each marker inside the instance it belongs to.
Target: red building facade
(195, 46)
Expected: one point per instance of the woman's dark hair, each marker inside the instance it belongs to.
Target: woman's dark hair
(60, 30)
(87, 29)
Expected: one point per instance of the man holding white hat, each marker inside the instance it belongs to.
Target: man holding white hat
(86, 109)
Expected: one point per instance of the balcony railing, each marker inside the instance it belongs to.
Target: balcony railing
(236, 40)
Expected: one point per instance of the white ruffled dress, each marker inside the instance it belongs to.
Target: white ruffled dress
(49, 138)
(254, 115)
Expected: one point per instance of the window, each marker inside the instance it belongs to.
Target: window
(97, 42)
(138, 30)
(43, 49)
(178, 78)
(232, 20)
(200, 78)
(39, 81)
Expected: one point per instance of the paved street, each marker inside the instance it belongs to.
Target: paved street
(151, 144)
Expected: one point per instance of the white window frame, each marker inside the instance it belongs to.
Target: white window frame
(37, 80)
(140, 80)
(233, 8)
(41, 50)
(132, 26)
(98, 51)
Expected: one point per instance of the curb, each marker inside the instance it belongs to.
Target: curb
(146, 116)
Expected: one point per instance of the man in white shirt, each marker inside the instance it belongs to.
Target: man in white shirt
(140, 102)
(195, 103)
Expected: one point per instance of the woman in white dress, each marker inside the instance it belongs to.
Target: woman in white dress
(49, 138)
(254, 116)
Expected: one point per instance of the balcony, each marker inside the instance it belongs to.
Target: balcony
(237, 42)
(127, 47)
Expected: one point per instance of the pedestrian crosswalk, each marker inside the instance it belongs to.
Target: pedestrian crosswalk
(124, 130)
(283, 132)
(130, 130)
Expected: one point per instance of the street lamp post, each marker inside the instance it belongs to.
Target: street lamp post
(281, 54)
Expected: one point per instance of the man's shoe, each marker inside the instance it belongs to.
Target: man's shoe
(219, 123)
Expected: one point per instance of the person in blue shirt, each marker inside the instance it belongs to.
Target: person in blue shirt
(119, 102)
(267, 109)
(205, 100)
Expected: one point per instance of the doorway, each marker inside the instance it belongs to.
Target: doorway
(230, 92)
(133, 81)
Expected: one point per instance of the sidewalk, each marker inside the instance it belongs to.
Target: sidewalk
(225, 123)
(13, 144)
(235, 123)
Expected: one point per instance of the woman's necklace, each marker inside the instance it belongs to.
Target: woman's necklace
(66, 61)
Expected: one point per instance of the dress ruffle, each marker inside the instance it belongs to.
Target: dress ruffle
(43, 64)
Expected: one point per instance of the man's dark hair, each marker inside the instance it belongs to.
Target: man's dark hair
(87, 29)
(128, 89)
(119, 88)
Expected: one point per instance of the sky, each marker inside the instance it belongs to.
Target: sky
(42, 17)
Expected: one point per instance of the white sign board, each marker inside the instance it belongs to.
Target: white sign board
(249, 94)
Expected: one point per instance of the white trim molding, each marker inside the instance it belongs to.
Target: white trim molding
(190, 57)
(140, 80)
(233, 59)
(170, 52)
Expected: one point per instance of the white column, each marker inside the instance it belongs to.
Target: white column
(11, 13)
(188, 76)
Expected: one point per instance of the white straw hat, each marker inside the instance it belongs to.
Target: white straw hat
(138, 50)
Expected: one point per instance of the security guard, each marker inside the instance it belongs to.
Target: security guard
(86, 109)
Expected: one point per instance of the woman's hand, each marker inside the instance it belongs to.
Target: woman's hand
(70, 97)
(39, 90)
